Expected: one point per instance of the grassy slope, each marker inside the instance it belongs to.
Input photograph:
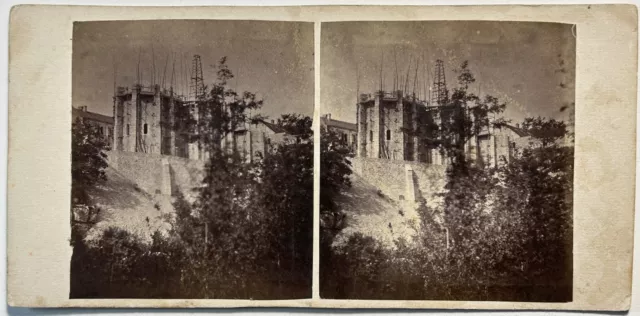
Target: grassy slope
(128, 207)
(373, 214)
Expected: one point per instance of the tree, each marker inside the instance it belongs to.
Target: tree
(249, 232)
(221, 111)
(88, 161)
(286, 193)
(296, 125)
(547, 131)
(88, 157)
(537, 187)
(512, 224)
(463, 115)
(335, 172)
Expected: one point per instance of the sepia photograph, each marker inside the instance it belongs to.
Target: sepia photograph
(371, 157)
(192, 159)
(447, 153)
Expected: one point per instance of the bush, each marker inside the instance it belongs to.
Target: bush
(503, 234)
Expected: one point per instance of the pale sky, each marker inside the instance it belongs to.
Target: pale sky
(272, 59)
(531, 66)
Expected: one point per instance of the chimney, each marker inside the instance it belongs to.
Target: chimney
(273, 122)
(84, 108)
(329, 116)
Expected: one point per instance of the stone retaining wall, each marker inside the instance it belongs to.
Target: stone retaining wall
(393, 177)
(158, 174)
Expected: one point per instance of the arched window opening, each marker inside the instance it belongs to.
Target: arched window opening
(145, 128)
(370, 135)
(388, 134)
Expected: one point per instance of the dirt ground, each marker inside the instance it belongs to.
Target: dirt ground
(124, 205)
(373, 214)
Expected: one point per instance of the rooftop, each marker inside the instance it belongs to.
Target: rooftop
(82, 112)
(275, 128)
(328, 121)
(537, 133)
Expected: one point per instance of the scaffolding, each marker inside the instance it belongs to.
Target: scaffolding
(440, 94)
(196, 88)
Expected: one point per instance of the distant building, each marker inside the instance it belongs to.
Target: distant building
(345, 130)
(254, 140)
(396, 127)
(157, 121)
(102, 122)
(147, 119)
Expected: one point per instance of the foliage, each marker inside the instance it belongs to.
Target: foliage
(121, 266)
(547, 131)
(247, 235)
(505, 235)
(287, 192)
(221, 110)
(250, 239)
(88, 157)
(297, 125)
(502, 233)
(459, 119)
(335, 170)
(88, 161)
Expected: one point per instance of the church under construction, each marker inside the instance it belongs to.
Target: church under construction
(156, 120)
(391, 125)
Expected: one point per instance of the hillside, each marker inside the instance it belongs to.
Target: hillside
(373, 214)
(126, 206)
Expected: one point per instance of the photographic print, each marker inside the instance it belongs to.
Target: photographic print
(447, 160)
(192, 159)
(457, 157)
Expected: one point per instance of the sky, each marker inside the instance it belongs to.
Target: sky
(528, 65)
(273, 59)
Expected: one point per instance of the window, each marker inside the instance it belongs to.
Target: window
(145, 128)
(128, 130)
(388, 134)
(370, 135)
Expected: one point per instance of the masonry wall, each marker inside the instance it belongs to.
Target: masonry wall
(392, 122)
(186, 175)
(390, 177)
(158, 174)
(150, 118)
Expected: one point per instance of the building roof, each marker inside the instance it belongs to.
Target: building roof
(519, 131)
(91, 116)
(275, 128)
(337, 123)
(537, 133)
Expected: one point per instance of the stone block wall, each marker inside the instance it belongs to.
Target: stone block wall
(143, 169)
(158, 174)
(390, 176)
(186, 175)
(429, 181)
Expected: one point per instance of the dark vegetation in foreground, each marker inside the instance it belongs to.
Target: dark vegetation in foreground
(248, 235)
(502, 234)
(517, 249)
